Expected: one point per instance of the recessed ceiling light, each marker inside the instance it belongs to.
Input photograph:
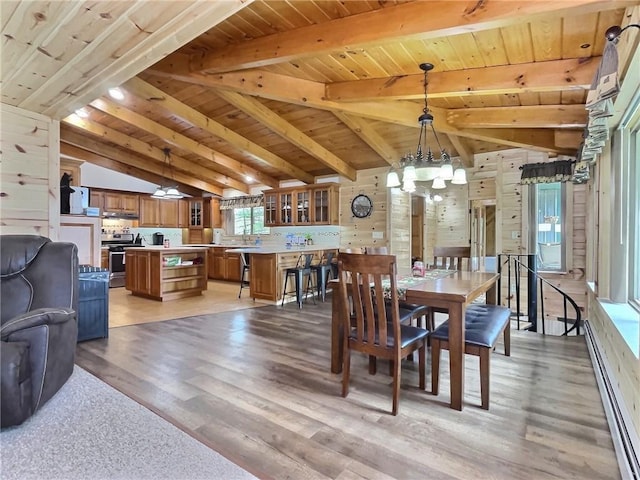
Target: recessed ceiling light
(82, 113)
(248, 178)
(116, 93)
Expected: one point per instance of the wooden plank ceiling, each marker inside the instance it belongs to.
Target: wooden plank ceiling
(256, 92)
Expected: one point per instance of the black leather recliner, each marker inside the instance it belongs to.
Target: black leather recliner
(38, 325)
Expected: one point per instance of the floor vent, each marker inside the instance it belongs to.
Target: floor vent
(625, 439)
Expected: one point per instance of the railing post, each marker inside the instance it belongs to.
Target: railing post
(532, 293)
(499, 272)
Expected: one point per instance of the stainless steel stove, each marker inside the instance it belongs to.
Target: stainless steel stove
(117, 243)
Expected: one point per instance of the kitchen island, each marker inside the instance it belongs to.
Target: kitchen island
(268, 264)
(163, 274)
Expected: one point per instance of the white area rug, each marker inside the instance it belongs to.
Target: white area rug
(89, 430)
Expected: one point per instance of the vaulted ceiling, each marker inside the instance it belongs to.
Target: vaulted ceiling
(257, 92)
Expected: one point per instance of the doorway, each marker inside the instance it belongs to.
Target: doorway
(483, 234)
(417, 228)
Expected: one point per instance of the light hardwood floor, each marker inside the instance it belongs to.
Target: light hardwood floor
(255, 385)
(125, 309)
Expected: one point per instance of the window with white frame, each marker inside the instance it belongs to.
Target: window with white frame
(246, 221)
(547, 221)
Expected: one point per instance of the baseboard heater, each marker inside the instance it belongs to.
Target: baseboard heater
(625, 439)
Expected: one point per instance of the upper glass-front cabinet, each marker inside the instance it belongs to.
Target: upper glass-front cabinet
(302, 207)
(286, 208)
(313, 204)
(195, 214)
(270, 209)
(321, 206)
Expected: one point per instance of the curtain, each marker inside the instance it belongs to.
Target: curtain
(242, 202)
(547, 172)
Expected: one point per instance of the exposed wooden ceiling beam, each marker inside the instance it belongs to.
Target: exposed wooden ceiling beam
(534, 116)
(286, 130)
(139, 37)
(219, 160)
(118, 164)
(464, 152)
(195, 178)
(156, 96)
(415, 20)
(539, 139)
(311, 94)
(568, 138)
(148, 150)
(368, 135)
(556, 75)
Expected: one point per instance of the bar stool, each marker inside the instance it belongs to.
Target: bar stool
(324, 271)
(245, 268)
(302, 269)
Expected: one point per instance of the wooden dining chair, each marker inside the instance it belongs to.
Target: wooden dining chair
(416, 312)
(448, 258)
(452, 258)
(371, 328)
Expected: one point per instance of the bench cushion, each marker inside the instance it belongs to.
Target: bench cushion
(483, 325)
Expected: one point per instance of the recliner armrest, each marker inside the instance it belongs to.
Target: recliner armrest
(34, 318)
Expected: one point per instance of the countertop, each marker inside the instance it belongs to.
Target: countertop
(272, 250)
(160, 248)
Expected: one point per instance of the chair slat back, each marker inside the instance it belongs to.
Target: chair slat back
(376, 251)
(362, 291)
(451, 258)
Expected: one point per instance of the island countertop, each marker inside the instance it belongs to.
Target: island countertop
(160, 248)
(268, 250)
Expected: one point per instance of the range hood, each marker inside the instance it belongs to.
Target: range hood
(120, 215)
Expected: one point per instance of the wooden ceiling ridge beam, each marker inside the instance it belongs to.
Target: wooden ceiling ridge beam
(530, 116)
(181, 141)
(148, 92)
(143, 148)
(118, 164)
(69, 135)
(289, 132)
(408, 21)
(553, 75)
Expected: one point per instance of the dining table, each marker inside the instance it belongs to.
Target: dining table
(451, 290)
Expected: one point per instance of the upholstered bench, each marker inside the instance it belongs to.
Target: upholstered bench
(483, 325)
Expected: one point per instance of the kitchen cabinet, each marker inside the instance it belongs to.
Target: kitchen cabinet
(104, 258)
(121, 202)
(96, 199)
(316, 204)
(183, 213)
(156, 212)
(216, 214)
(223, 265)
(199, 213)
(325, 205)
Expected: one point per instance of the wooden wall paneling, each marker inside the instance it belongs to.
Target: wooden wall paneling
(358, 232)
(453, 217)
(431, 230)
(622, 361)
(399, 232)
(30, 167)
(482, 189)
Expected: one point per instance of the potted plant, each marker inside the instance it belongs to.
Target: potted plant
(308, 239)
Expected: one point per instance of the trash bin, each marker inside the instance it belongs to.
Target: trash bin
(93, 303)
